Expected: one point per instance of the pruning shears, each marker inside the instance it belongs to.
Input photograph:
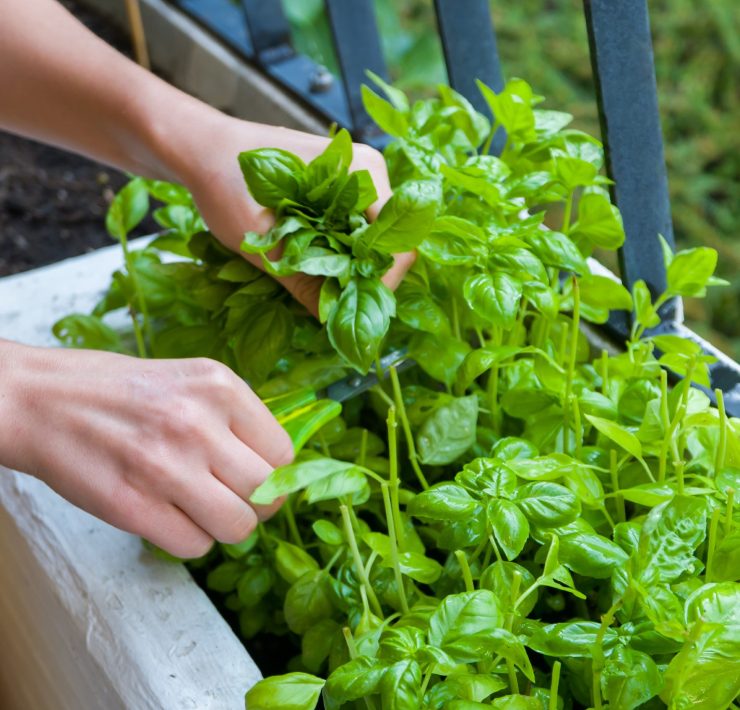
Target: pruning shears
(302, 413)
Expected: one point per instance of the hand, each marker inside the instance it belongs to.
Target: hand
(211, 171)
(169, 450)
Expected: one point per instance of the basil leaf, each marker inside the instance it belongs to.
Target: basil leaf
(494, 297)
(296, 476)
(390, 119)
(128, 209)
(629, 679)
(444, 501)
(405, 220)
(510, 527)
(547, 505)
(293, 691)
(357, 679)
(359, 321)
(308, 601)
(272, 175)
(599, 222)
(448, 432)
(573, 639)
(462, 625)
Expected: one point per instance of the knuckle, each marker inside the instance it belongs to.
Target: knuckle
(193, 548)
(284, 453)
(240, 529)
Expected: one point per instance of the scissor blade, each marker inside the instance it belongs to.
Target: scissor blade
(356, 384)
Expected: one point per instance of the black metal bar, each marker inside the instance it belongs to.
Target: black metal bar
(223, 18)
(624, 73)
(469, 45)
(269, 29)
(357, 43)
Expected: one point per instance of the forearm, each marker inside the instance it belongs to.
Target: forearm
(61, 84)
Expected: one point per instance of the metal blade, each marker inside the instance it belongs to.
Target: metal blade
(356, 384)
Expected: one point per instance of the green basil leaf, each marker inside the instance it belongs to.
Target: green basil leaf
(405, 220)
(308, 601)
(618, 434)
(463, 624)
(547, 505)
(348, 482)
(494, 297)
(128, 209)
(599, 222)
(272, 175)
(357, 679)
(292, 562)
(400, 687)
(359, 321)
(296, 476)
(293, 691)
(590, 554)
(448, 432)
(89, 332)
(629, 679)
(509, 526)
(573, 639)
(262, 340)
(690, 270)
(390, 119)
(444, 501)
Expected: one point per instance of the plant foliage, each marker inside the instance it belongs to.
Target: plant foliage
(517, 523)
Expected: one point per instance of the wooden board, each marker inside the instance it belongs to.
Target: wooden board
(88, 618)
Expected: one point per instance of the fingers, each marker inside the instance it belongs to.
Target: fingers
(167, 527)
(215, 508)
(402, 263)
(253, 424)
(242, 470)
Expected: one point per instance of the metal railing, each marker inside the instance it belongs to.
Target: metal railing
(622, 58)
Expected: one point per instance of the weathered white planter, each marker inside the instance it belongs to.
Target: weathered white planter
(88, 619)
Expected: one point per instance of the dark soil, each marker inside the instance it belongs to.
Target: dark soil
(53, 203)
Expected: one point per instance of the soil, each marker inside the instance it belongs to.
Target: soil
(53, 203)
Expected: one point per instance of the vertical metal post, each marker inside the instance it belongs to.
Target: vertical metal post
(268, 29)
(622, 59)
(469, 45)
(357, 43)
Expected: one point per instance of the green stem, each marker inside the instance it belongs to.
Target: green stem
(394, 483)
(495, 548)
(363, 448)
(679, 466)
(141, 303)
(711, 544)
(567, 213)
(290, 518)
(465, 568)
(394, 547)
(492, 394)
(618, 497)
(666, 422)
(489, 140)
(455, 319)
(572, 353)
(729, 523)
(604, 373)
(401, 407)
(578, 427)
(350, 640)
(359, 567)
(554, 683)
(516, 583)
(719, 462)
(425, 682)
(598, 653)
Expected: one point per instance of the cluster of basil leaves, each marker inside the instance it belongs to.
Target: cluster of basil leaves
(519, 523)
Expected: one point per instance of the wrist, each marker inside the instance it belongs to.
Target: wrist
(17, 366)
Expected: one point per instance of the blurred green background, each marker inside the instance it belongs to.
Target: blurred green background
(697, 57)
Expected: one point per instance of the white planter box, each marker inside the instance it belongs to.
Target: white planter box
(88, 619)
